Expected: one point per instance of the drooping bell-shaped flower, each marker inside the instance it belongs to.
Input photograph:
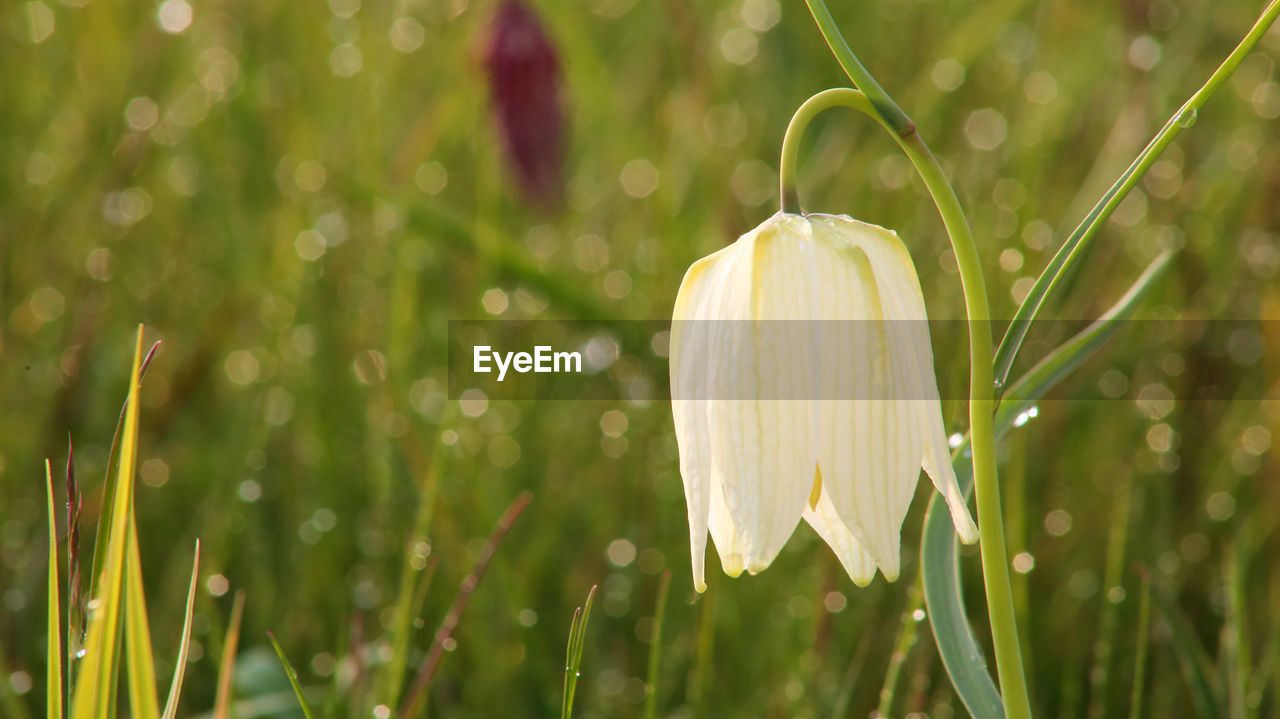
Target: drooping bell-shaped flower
(802, 386)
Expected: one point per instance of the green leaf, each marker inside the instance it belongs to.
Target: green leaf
(293, 677)
(55, 608)
(1072, 353)
(944, 595)
(1072, 250)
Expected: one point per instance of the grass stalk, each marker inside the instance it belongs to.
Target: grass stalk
(226, 667)
(655, 648)
(293, 677)
(1140, 652)
(429, 666)
(1112, 595)
(908, 635)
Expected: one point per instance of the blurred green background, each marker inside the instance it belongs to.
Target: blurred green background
(296, 197)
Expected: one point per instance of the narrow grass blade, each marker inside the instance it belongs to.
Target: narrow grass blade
(944, 595)
(54, 626)
(655, 648)
(1236, 644)
(95, 689)
(1072, 250)
(840, 707)
(293, 677)
(1063, 360)
(1194, 662)
(908, 632)
(571, 676)
(1109, 620)
(413, 579)
(109, 485)
(226, 668)
(1140, 658)
(702, 678)
(427, 671)
(140, 663)
(573, 653)
(180, 668)
(75, 603)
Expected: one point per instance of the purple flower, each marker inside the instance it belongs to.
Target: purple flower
(524, 82)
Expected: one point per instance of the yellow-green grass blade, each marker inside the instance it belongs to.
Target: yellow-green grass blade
(109, 485)
(180, 666)
(139, 659)
(293, 676)
(55, 609)
(94, 691)
(226, 669)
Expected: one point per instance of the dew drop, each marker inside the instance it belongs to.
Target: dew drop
(1188, 117)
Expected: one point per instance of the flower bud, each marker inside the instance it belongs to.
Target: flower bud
(523, 70)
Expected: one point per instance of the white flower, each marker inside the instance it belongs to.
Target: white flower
(802, 385)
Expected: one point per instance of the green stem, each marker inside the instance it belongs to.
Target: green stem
(995, 560)
(825, 100)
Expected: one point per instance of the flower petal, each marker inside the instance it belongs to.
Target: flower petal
(688, 356)
(760, 417)
(826, 521)
(872, 442)
(896, 268)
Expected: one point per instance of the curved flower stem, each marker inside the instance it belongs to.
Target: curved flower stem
(995, 562)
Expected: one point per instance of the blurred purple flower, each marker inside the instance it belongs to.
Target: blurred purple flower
(524, 82)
